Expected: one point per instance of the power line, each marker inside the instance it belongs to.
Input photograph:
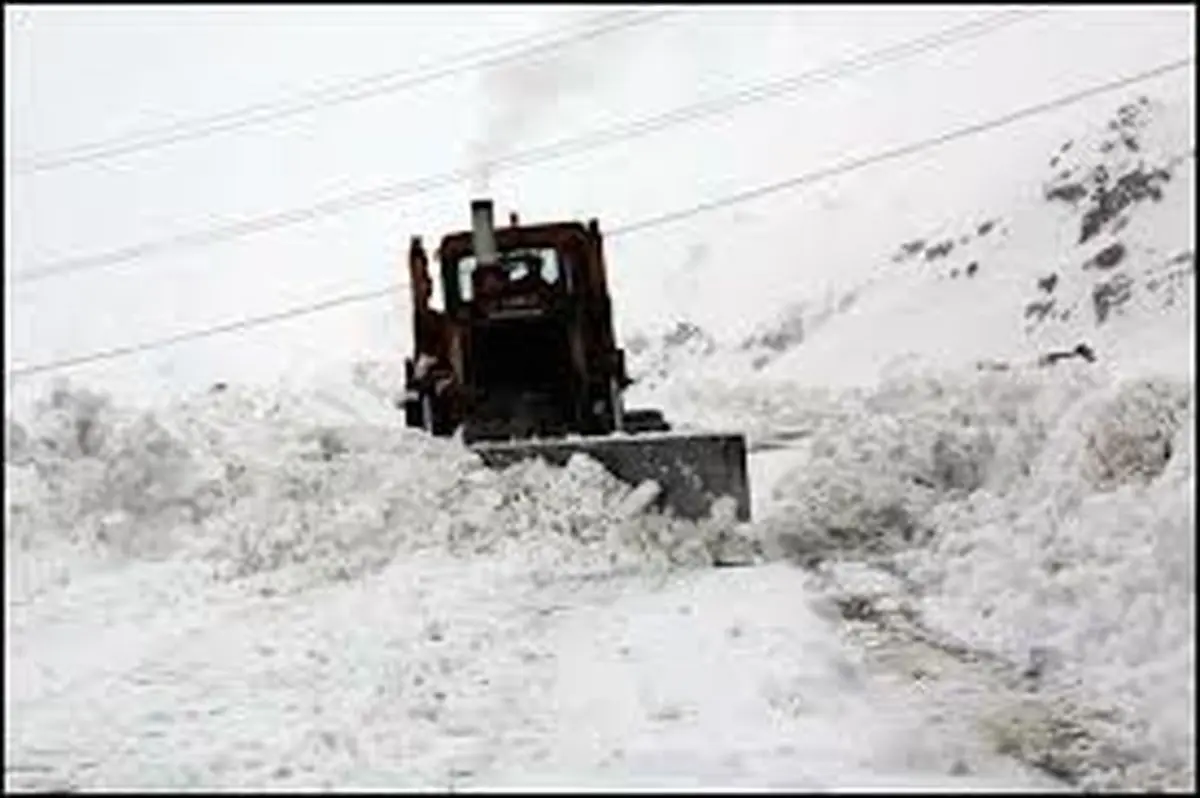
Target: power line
(353, 91)
(908, 149)
(588, 141)
(206, 332)
(655, 221)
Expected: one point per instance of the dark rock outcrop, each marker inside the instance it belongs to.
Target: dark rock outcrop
(1110, 295)
(1106, 258)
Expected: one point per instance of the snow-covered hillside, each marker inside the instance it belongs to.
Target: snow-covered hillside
(1098, 249)
(972, 563)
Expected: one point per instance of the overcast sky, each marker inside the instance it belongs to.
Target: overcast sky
(76, 75)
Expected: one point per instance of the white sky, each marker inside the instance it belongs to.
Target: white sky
(75, 75)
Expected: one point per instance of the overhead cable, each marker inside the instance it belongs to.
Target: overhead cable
(588, 141)
(747, 195)
(391, 82)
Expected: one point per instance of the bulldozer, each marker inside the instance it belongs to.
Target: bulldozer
(521, 361)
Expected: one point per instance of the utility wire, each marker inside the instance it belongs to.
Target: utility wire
(206, 332)
(588, 141)
(353, 91)
(899, 152)
(655, 221)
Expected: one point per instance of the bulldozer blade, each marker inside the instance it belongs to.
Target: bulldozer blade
(692, 471)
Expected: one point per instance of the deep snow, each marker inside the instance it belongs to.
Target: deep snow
(974, 570)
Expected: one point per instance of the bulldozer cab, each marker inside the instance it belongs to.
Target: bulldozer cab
(530, 270)
(523, 281)
(520, 270)
(528, 312)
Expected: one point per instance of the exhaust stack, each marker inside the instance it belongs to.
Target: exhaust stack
(483, 232)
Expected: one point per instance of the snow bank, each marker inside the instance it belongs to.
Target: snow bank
(1043, 517)
(264, 483)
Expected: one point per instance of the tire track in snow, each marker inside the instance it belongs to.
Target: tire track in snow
(725, 679)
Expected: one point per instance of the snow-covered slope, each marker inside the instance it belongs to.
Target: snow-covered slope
(1098, 249)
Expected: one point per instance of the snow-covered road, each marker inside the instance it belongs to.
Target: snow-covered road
(437, 673)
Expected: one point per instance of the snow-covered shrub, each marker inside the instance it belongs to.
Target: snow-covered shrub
(1132, 439)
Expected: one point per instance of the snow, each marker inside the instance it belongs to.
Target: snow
(397, 614)
(972, 570)
(1050, 523)
(727, 680)
(1038, 518)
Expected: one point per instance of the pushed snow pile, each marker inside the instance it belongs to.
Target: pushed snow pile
(873, 464)
(259, 483)
(1088, 571)
(1041, 518)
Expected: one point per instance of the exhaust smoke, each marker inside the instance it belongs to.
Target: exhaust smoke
(524, 95)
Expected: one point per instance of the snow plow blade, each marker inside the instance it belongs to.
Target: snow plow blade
(692, 471)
